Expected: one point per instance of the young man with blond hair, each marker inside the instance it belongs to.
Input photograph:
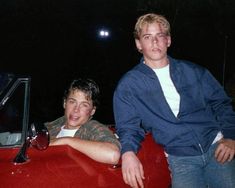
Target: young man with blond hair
(182, 105)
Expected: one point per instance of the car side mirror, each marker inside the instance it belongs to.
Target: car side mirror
(38, 137)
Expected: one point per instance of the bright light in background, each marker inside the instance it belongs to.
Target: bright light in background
(103, 33)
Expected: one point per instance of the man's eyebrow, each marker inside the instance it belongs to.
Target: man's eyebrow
(71, 98)
(146, 34)
(85, 102)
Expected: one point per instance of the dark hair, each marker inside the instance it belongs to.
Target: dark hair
(88, 86)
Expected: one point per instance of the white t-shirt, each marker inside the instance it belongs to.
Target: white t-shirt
(66, 132)
(171, 95)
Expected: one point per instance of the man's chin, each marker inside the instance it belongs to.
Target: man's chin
(74, 125)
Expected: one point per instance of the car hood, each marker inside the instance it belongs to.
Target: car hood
(63, 166)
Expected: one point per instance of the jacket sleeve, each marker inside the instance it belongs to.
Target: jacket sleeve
(126, 119)
(94, 130)
(221, 104)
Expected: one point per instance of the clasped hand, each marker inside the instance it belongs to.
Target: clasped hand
(225, 151)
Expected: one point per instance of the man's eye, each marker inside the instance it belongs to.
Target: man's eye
(71, 101)
(161, 35)
(84, 105)
(146, 37)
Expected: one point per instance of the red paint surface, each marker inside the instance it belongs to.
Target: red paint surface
(62, 166)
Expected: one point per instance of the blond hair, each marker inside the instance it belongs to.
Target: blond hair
(148, 19)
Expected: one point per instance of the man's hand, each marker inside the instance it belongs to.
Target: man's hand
(132, 170)
(225, 151)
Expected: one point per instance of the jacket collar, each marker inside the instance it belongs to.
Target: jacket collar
(148, 71)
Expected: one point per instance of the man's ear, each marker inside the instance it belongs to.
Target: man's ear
(138, 45)
(93, 111)
(64, 103)
(168, 41)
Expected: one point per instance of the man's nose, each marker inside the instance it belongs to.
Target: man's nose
(76, 108)
(155, 39)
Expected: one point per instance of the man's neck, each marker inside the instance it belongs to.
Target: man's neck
(157, 64)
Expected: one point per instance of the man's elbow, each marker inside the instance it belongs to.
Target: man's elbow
(115, 156)
(111, 154)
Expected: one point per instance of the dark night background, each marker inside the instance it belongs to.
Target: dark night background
(54, 41)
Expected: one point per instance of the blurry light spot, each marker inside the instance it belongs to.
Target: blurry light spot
(104, 33)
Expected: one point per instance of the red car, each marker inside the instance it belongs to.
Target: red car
(27, 161)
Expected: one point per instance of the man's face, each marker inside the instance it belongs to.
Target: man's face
(153, 42)
(78, 109)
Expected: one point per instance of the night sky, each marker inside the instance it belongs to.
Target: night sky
(55, 41)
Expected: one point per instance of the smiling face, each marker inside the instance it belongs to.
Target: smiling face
(78, 109)
(153, 42)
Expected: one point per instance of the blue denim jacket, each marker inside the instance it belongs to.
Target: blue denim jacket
(205, 109)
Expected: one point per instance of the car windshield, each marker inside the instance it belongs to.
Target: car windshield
(13, 109)
(5, 80)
